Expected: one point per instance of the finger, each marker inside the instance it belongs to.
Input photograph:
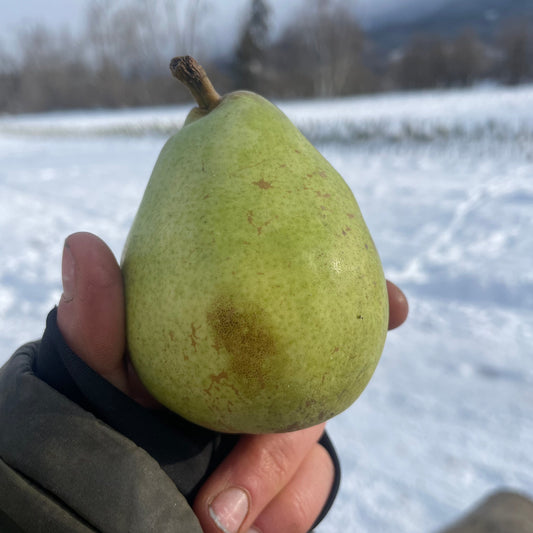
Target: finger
(298, 505)
(256, 470)
(398, 306)
(90, 314)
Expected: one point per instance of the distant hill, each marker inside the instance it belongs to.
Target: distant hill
(485, 16)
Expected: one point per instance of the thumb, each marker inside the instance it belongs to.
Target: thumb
(90, 314)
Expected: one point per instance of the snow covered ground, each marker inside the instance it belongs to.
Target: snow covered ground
(445, 182)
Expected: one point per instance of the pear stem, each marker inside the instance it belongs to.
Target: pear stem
(187, 70)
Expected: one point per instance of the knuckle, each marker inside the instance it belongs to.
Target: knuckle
(301, 511)
(274, 463)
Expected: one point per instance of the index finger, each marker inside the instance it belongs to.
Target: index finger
(250, 477)
(398, 306)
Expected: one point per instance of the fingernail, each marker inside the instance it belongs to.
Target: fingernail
(68, 270)
(253, 530)
(229, 509)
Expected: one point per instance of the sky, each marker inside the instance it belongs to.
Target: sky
(228, 15)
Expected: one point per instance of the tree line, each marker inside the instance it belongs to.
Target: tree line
(120, 58)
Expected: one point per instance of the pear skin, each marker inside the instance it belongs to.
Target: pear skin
(255, 297)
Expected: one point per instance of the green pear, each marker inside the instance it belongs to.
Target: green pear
(255, 297)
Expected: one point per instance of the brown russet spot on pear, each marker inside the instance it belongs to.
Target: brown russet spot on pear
(248, 270)
(246, 338)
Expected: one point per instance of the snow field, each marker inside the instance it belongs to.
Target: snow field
(445, 182)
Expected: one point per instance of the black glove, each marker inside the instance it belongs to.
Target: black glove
(186, 452)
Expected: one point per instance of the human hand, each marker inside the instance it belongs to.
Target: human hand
(277, 482)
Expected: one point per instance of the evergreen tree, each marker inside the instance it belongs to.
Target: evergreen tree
(249, 63)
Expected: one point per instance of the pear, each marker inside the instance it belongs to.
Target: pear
(255, 297)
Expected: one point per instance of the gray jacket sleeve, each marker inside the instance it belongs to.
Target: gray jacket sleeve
(62, 469)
